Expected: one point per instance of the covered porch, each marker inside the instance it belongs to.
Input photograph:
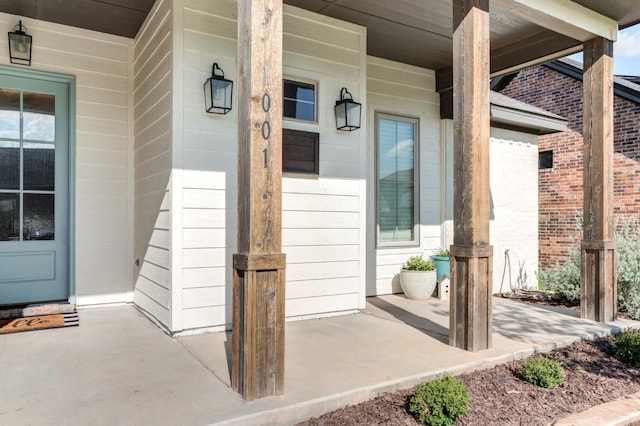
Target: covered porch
(118, 368)
(462, 43)
(483, 41)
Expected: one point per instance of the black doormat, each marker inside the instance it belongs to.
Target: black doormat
(33, 310)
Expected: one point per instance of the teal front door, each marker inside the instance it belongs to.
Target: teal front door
(34, 190)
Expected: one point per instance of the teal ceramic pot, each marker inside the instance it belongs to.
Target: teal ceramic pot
(442, 266)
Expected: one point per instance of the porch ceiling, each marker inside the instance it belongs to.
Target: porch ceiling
(119, 17)
(416, 32)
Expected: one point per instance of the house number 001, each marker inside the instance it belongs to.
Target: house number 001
(266, 126)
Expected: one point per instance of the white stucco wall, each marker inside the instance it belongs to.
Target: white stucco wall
(103, 188)
(514, 211)
(514, 205)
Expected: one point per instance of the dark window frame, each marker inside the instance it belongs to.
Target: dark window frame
(545, 160)
(301, 83)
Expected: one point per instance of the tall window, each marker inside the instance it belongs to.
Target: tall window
(396, 168)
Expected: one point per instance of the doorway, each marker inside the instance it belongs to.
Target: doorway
(34, 188)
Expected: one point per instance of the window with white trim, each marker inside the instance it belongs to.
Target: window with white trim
(300, 101)
(397, 179)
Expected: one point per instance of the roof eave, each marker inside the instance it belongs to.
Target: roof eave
(526, 121)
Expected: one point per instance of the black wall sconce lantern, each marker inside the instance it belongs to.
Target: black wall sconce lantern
(348, 112)
(218, 92)
(20, 45)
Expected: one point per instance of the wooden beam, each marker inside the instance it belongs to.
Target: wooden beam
(513, 57)
(259, 265)
(567, 17)
(470, 323)
(598, 299)
(534, 49)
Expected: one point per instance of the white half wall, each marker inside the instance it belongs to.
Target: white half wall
(514, 209)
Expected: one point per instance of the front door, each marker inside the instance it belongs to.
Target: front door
(34, 186)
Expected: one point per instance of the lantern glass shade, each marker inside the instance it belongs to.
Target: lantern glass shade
(348, 112)
(218, 92)
(20, 46)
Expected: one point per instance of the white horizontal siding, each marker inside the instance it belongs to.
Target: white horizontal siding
(319, 305)
(99, 63)
(152, 105)
(404, 90)
(208, 152)
(323, 221)
(200, 317)
(203, 277)
(321, 270)
(324, 287)
(323, 226)
(311, 237)
(204, 238)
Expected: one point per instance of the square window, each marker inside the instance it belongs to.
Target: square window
(545, 160)
(299, 101)
(300, 152)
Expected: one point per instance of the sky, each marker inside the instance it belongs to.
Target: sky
(626, 52)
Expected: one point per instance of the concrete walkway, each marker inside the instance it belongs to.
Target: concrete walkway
(118, 368)
(619, 412)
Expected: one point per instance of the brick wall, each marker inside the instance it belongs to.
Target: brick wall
(560, 188)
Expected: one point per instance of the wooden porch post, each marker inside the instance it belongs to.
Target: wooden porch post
(598, 296)
(259, 265)
(470, 323)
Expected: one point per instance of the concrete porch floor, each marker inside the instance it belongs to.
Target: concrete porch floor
(118, 368)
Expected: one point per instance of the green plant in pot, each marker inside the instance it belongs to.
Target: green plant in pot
(440, 258)
(418, 278)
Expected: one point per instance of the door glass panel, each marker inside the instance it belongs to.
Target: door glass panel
(39, 166)
(38, 216)
(9, 114)
(9, 217)
(9, 165)
(39, 117)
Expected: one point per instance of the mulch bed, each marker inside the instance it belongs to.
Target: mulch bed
(592, 376)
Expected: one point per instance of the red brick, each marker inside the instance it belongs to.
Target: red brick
(560, 188)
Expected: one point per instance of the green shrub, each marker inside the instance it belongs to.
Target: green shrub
(418, 263)
(626, 347)
(628, 254)
(442, 252)
(440, 402)
(563, 279)
(542, 371)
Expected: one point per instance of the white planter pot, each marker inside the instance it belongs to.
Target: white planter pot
(418, 284)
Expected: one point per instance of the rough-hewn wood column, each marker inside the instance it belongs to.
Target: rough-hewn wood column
(598, 275)
(470, 323)
(259, 265)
